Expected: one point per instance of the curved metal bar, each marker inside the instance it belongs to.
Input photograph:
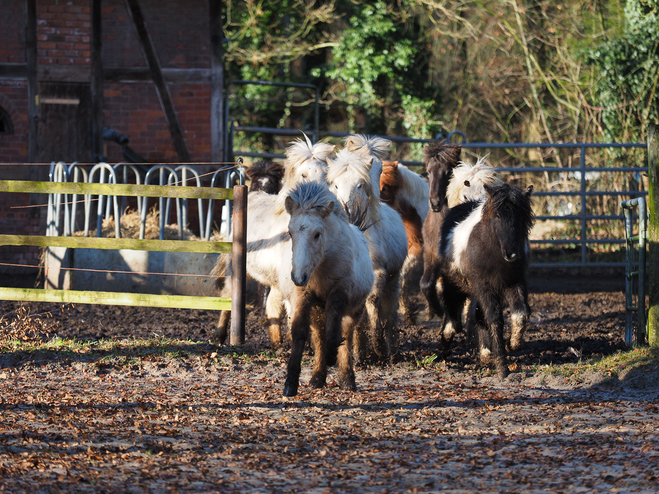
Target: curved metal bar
(183, 170)
(234, 177)
(101, 168)
(125, 167)
(58, 173)
(75, 170)
(164, 210)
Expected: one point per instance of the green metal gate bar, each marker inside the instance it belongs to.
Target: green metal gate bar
(635, 271)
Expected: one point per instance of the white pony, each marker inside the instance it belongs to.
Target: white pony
(267, 222)
(317, 271)
(354, 177)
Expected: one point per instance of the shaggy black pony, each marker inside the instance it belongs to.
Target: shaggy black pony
(484, 251)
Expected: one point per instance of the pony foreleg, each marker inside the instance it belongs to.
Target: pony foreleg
(389, 312)
(410, 278)
(454, 301)
(301, 320)
(429, 286)
(274, 308)
(493, 311)
(345, 360)
(375, 316)
(318, 341)
(519, 315)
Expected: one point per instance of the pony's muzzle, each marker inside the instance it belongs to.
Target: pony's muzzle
(302, 281)
(436, 205)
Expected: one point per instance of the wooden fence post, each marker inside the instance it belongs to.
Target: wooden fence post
(653, 234)
(239, 265)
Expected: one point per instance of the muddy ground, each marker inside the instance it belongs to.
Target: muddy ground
(198, 418)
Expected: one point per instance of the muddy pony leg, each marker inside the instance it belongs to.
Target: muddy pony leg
(519, 314)
(319, 373)
(274, 309)
(493, 310)
(301, 308)
(345, 360)
(429, 286)
(454, 300)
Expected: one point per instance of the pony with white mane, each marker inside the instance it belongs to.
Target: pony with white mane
(267, 232)
(354, 177)
(317, 272)
(468, 182)
(408, 194)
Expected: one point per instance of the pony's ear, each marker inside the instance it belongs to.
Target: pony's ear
(290, 205)
(326, 210)
(528, 190)
(370, 163)
(488, 189)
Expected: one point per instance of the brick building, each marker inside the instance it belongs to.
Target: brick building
(151, 69)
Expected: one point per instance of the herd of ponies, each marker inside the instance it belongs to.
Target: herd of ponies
(341, 239)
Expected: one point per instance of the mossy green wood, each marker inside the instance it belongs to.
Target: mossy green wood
(114, 298)
(118, 243)
(653, 235)
(128, 190)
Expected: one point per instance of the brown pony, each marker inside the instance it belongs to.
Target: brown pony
(440, 161)
(407, 193)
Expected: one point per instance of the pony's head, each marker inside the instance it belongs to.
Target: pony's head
(509, 217)
(369, 146)
(468, 181)
(306, 161)
(440, 160)
(390, 182)
(349, 176)
(309, 204)
(265, 176)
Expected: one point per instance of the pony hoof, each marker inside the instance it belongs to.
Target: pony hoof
(348, 384)
(290, 390)
(317, 382)
(502, 371)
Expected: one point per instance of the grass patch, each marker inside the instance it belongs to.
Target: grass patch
(640, 358)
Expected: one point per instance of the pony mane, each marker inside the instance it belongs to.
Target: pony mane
(301, 150)
(361, 163)
(502, 193)
(378, 147)
(467, 182)
(442, 155)
(310, 195)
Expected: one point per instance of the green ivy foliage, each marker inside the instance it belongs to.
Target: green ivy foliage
(628, 69)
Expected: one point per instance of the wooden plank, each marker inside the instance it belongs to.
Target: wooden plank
(151, 58)
(217, 81)
(114, 298)
(239, 266)
(15, 71)
(119, 244)
(653, 235)
(97, 80)
(32, 86)
(171, 75)
(129, 190)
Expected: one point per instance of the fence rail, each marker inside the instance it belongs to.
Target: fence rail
(581, 171)
(237, 247)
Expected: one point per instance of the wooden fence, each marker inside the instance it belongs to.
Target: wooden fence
(237, 248)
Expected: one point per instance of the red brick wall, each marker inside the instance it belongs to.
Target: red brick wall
(179, 29)
(63, 32)
(13, 147)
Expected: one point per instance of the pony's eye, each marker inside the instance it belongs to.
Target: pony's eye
(316, 236)
(336, 186)
(304, 175)
(359, 186)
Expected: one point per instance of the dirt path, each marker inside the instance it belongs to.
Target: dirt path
(194, 425)
(194, 418)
